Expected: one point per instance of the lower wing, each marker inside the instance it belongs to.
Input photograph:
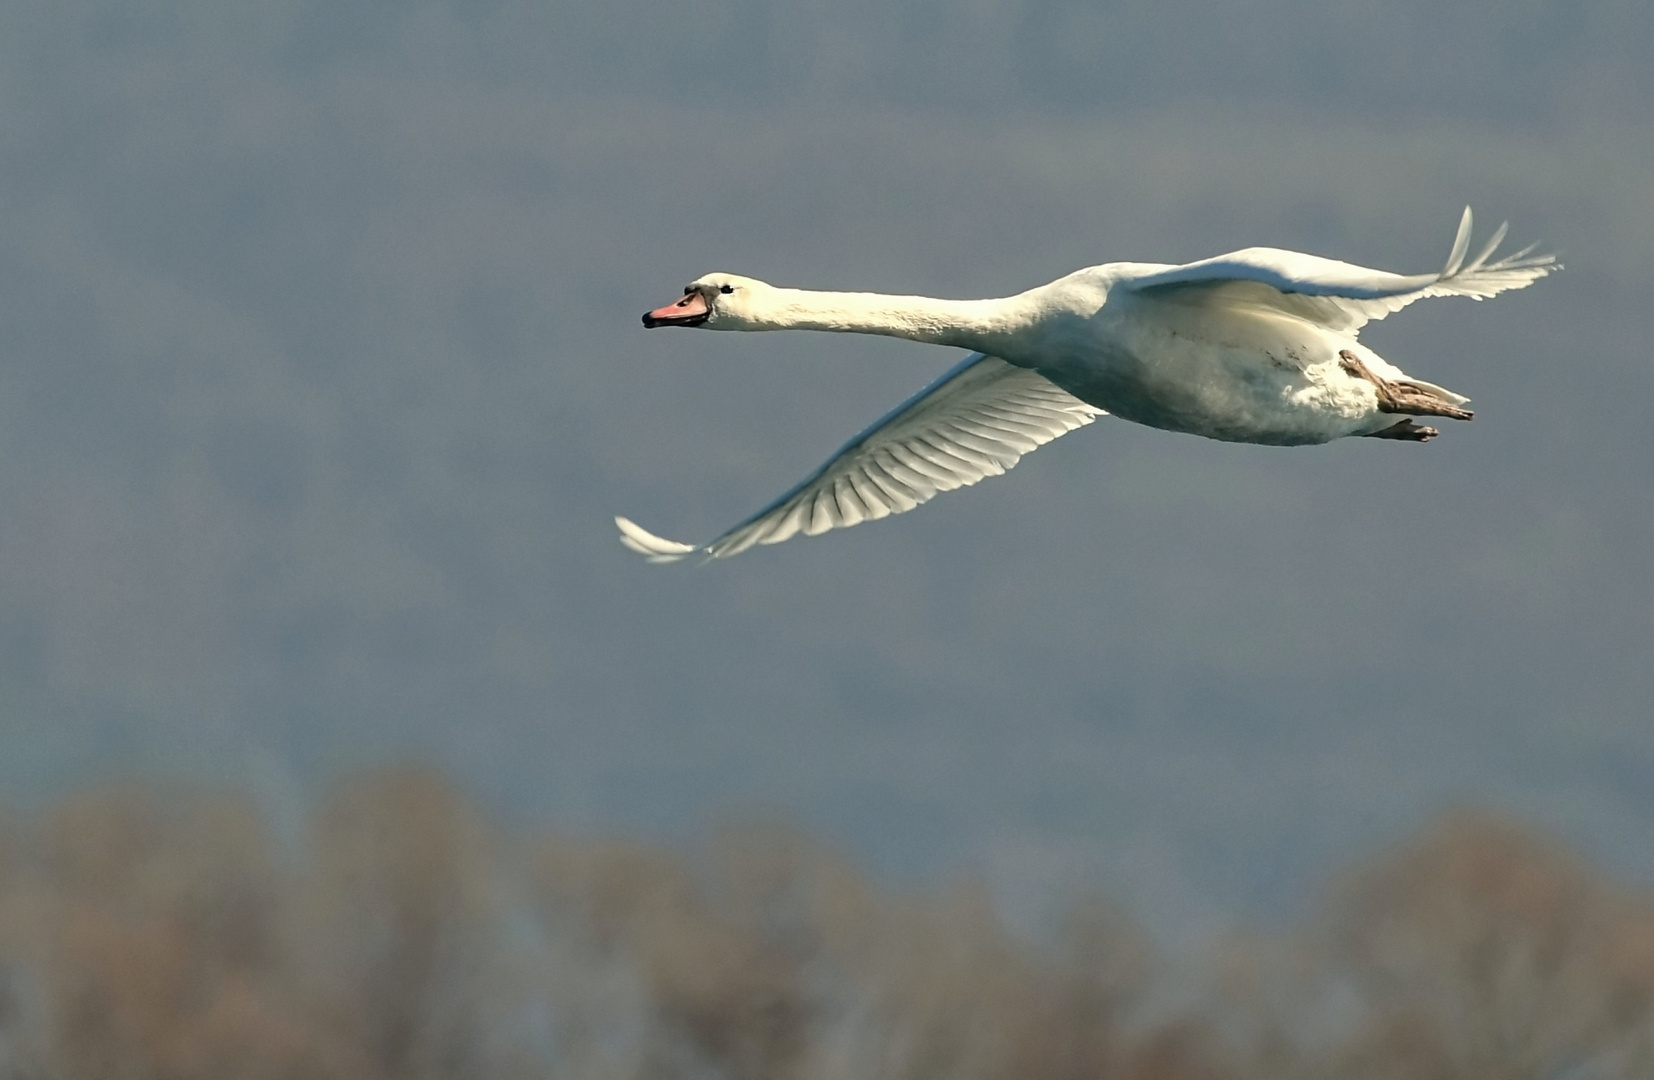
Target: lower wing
(976, 420)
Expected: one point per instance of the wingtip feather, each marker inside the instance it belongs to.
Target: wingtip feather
(1492, 245)
(1479, 278)
(657, 549)
(1461, 244)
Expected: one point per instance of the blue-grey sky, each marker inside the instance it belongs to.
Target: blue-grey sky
(321, 378)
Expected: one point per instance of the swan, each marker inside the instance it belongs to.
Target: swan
(1256, 346)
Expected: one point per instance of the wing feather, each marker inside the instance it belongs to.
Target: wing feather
(1340, 295)
(976, 421)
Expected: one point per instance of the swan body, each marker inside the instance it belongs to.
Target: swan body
(1257, 346)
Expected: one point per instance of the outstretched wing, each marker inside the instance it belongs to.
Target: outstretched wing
(977, 420)
(1340, 295)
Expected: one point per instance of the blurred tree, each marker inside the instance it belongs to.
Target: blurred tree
(149, 933)
(400, 923)
(1483, 950)
(157, 943)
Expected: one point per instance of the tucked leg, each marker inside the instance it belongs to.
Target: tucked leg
(1405, 430)
(1401, 397)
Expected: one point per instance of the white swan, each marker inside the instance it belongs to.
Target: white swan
(1254, 346)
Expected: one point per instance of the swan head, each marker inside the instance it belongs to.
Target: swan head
(717, 302)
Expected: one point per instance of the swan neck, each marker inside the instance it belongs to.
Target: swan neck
(971, 324)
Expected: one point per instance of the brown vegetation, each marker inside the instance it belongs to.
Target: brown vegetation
(150, 934)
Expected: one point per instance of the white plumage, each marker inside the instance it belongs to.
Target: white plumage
(1255, 346)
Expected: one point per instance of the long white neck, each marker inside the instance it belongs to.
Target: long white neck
(970, 324)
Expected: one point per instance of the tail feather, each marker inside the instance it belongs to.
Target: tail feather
(1440, 393)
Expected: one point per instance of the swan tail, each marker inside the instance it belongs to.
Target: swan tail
(1478, 278)
(1440, 393)
(657, 549)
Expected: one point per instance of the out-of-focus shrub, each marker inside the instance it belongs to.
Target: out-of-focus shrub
(158, 933)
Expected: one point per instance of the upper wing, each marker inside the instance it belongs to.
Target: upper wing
(1340, 295)
(977, 420)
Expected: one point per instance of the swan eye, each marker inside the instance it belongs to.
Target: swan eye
(726, 289)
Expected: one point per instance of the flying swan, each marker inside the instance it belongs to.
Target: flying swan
(1256, 346)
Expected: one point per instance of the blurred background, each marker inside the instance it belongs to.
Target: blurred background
(339, 736)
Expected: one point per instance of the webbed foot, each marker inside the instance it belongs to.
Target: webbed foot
(1402, 397)
(1405, 430)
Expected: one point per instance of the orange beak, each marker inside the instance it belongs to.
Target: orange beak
(690, 311)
